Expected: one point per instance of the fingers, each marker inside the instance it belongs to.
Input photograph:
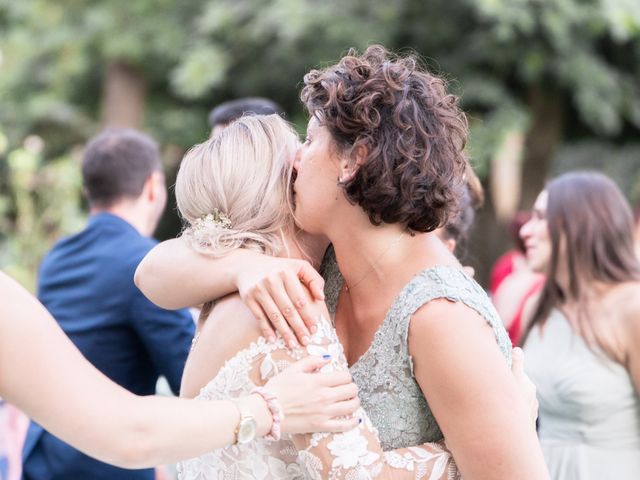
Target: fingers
(275, 318)
(335, 425)
(279, 301)
(263, 323)
(342, 393)
(296, 291)
(334, 379)
(345, 408)
(310, 364)
(312, 279)
(291, 291)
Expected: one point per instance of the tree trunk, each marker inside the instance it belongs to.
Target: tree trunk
(544, 135)
(490, 238)
(123, 96)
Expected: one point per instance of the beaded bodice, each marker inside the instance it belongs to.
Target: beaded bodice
(388, 389)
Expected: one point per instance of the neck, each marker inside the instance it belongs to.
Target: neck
(591, 290)
(133, 214)
(385, 256)
(303, 245)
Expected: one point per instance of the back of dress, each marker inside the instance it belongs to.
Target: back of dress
(589, 417)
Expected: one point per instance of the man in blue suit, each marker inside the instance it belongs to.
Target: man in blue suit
(86, 282)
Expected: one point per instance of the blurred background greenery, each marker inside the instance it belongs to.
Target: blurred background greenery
(549, 85)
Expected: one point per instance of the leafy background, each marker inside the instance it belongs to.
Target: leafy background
(549, 85)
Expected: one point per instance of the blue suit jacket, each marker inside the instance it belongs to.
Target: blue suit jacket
(86, 283)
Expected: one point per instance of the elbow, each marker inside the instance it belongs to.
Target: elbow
(142, 275)
(135, 449)
(143, 279)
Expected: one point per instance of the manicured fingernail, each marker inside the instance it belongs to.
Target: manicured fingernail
(305, 340)
(314, 328)
(293, 344)
(326, 356)
(271, 339)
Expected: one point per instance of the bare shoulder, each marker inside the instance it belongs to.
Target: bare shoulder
(229, 328)
(445, 322)
(626, 300)
(456, 356)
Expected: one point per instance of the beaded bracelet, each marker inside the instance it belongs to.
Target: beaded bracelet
(276, 412)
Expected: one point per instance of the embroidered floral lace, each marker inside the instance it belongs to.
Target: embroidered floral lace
(354, 455)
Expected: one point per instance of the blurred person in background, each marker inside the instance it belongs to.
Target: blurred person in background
(513, 282)
(227, 112)
(455, 234)
(86, 283)
(582, 343)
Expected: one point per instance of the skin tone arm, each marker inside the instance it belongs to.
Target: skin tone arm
(473, 395)
(271, 287)
(43, 373)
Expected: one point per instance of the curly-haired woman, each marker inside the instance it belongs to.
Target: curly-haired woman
(381, 168)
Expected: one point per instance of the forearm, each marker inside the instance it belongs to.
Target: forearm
(43, 373)
(158, 430)
(172, 275)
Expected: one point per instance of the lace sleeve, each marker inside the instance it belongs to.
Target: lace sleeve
(357, 454)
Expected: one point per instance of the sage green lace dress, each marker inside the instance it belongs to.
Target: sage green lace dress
(387, 386)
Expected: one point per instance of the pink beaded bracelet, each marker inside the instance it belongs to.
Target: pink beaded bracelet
(276, 412)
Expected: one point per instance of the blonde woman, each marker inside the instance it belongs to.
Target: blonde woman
(233, 191)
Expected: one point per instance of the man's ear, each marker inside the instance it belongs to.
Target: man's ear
(152, 186)
(350, 164)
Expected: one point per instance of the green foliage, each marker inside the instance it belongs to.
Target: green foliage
(40, 203)
(194, 54)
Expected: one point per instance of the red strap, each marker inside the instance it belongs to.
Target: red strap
(516, 326)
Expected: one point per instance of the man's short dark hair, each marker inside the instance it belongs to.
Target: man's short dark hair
(116, 164)
(227, 112)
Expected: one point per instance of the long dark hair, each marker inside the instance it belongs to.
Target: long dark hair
(589, 214)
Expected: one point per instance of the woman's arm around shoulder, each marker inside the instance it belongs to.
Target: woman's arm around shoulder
(473, 394)
(173, 275)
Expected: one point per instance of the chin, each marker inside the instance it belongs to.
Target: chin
(538, 267)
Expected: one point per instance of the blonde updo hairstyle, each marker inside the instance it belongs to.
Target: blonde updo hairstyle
(233, 190)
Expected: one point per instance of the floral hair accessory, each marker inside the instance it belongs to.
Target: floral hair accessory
(217, 219)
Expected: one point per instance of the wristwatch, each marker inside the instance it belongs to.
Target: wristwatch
(246, 429)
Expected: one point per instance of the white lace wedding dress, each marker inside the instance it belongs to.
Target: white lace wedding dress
(353, 455)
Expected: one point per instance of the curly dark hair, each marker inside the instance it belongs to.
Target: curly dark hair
(413, 132)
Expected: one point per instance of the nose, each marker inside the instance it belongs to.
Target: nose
(525, 230)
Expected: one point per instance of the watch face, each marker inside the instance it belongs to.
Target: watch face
(247, 430)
